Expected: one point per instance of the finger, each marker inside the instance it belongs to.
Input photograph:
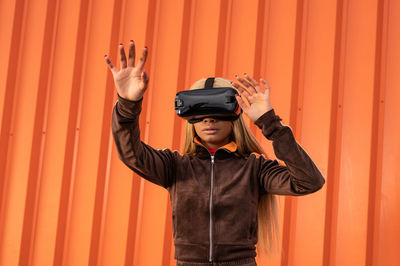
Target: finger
(110, 65)
(122, 55)
(253, 82)
(238, 87)
(132, 55)
(266, 85)
(242, 91)
(245, 83)
(142, 59)
(145, 79)
(241, 103)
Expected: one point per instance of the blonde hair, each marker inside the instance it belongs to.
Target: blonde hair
(246, 142)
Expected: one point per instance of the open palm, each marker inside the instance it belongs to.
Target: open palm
(131, 81)
(258, 99)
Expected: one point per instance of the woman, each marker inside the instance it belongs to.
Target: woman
(220, 185)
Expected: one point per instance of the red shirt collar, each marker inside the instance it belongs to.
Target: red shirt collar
(212, 150)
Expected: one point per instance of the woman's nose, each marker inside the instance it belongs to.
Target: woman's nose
(209, 120)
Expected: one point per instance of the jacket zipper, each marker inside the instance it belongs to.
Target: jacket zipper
(211, 201)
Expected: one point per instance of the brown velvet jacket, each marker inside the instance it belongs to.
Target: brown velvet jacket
(215, 199)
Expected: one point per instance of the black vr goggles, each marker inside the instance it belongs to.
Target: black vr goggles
(211, 102)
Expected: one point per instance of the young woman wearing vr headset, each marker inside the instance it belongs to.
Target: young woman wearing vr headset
(221, 187)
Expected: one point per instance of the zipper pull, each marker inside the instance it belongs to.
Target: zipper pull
(212, 159)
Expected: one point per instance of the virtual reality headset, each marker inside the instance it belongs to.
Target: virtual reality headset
(208, 101)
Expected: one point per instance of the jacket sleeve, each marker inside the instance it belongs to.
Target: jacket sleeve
(300, 176)
(156, 166)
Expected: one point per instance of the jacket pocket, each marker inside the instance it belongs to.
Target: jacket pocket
(192, 217)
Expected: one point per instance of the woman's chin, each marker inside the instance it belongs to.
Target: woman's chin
(213, 142)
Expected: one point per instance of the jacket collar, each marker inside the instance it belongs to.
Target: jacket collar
(231, 147)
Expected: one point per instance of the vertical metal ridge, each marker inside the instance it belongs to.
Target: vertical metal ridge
(298, 67)
(261, 37)
(138, 222)
(260, 51)
(151, 30)
(290, 209)
(68, 178)
(224, 16)
(186, 36)
(375, 179)
(100, 203)
(79, 111)
(101, 194)
(133, 220)
(332, 191)
(39, 136)
(9, 97)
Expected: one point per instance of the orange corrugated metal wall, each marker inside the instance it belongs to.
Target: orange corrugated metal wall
(333, 65)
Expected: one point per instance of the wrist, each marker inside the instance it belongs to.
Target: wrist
(132, 98)
(259, 114)
(127, 100)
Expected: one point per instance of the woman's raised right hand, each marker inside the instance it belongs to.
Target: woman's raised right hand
(131, 81)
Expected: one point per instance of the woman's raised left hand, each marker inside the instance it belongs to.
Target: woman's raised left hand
(258, 99)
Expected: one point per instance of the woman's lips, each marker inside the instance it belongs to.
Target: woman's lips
(210, 130)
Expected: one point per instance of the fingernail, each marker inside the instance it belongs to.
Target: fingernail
(131, 40)
(105, 55)
(120, 43)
